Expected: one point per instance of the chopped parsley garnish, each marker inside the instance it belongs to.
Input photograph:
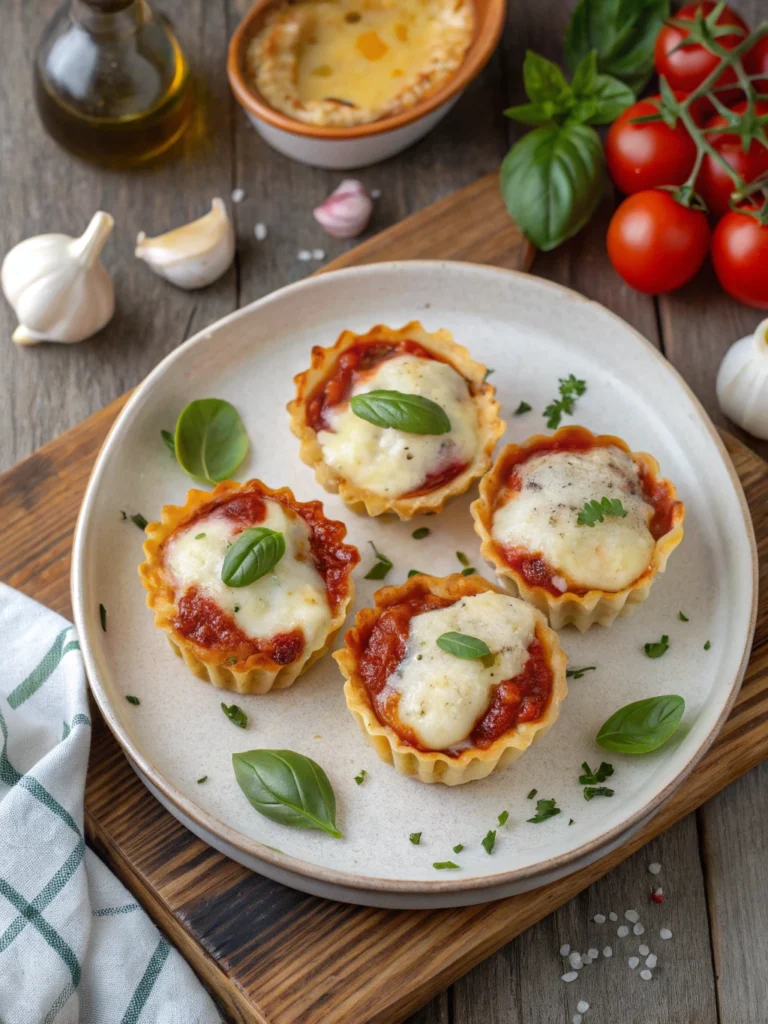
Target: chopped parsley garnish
(532, 794)
(469, 571)
(123, 515)
(503, 817)
(458, 847)
(707, 645)
(577, 673)
(488, 373)
(656, 650)
(593, 778)
(522, 408)
(545, 809)
(360, 779)
(381, 566)
(203, 778)
(442, 864)
(570, 389)
(139, 520)
(683, 617)
(596, 511)
(131, 699)
(590, 791)
(103, 617)
(235, 714)
(237, 608)
(462, 558)
(421, 533)
(199, 536)
(570, 821)
(415, 838)
(414, 572)
(489, 841)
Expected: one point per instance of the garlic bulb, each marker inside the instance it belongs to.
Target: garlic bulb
(742, 382)
(346, 211)
(195, 254)
(57, 286)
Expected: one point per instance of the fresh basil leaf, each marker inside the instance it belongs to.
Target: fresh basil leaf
(169, 442)
(253, 555)
(235, 714)
(552, 181)
(545, 82)
(532, 113)
(210, 440)
(288, 788)
(611, 97)
(584, 78)
(463, 646)
(489, 841)
(413, 414)
(643, 725)
(623, 33)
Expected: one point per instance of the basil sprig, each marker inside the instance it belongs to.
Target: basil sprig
(412, 413)
(463, 646)
(210, 440)
(288, 788)
(253, 555)
(643, 725)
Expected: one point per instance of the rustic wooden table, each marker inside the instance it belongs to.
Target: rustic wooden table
(714, 862)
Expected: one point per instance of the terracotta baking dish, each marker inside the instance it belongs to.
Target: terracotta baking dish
(367, 143)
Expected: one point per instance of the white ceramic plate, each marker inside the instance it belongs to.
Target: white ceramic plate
(531, 332)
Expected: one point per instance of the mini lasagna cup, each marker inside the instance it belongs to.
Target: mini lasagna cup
(263, 635)
(577, 524)
(434, 714)
(383, 469)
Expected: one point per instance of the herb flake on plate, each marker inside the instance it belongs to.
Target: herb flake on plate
(235, 714)
(131, 699)
(441, 865)
(103, 617)
(415, 838)
(489, 841)
(458, 847)
(570, 389)
(577, 673)
(360, 779)
(421, 533)
(683, 617)
(593, 791)
(503, 817)
(380, 567)
(544, 809)
(523, 408)
(594, 778)
(656, 650)
(139, 520)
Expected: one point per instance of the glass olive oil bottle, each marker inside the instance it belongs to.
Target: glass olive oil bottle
(111, 82)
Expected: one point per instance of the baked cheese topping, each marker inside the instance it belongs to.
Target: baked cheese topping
(292, 596)
(442, 697)
(392, 462)
(542, 517)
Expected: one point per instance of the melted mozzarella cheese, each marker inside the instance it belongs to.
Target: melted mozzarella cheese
(392, 462)
(442, 697)
(292, 596)
(542, 517)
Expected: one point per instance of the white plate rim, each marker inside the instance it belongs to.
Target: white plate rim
(268, 854)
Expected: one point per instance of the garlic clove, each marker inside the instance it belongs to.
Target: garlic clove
(346, 211)
(57, 286)
(194, 255)
(742, 383)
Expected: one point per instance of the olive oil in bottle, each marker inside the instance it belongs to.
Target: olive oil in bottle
(111, 82)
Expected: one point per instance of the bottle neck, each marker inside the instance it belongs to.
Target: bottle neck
(110, 18)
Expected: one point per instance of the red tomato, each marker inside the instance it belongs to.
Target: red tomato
(713, 183)
(687, 67)
(740, 258)
(642, 156)
(655, 243)
(756, 63)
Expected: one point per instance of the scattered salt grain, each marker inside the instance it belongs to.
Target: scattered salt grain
(613, 917)
(318, 254)
(646, 975)
(654, 868)
(607, 951)
(304, 255)
(260, 231)
(565, 950)
(639, 929)
(622, 931)
(633, 961)
(593, 953)
(375, 193)
(238, 195)
(587, 959)
(574, 959)
(599, 918)
(665, 933)
(643, 950)
(582, 1006)
(652, 960)
(576, 1018)
(632, 915)
(570, 976)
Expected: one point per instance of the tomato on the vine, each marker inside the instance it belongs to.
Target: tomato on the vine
(714, 184)
(655, 243)
(740, 258)
(650, 154)
(686, 67)
(756, 63)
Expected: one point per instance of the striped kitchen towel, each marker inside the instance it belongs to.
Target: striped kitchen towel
(75, 948)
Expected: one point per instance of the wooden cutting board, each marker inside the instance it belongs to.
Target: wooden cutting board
(269, 954)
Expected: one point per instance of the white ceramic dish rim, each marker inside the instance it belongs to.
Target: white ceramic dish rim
(261, 851)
